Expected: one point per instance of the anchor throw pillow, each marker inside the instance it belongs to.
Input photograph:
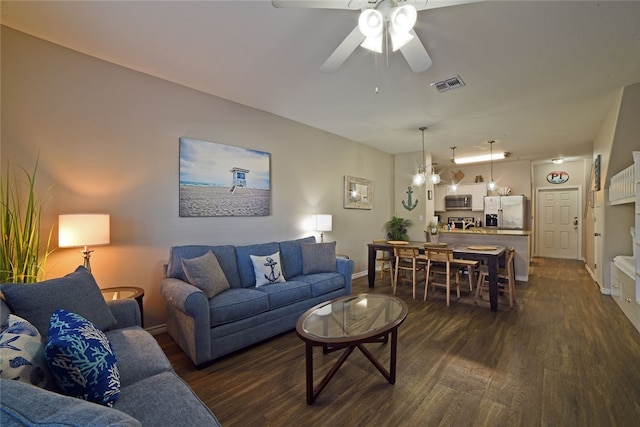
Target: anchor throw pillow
(268, 269)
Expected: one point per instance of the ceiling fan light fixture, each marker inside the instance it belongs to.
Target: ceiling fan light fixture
(401, 22)
(371, 24)
(398, 40)
(373, 44)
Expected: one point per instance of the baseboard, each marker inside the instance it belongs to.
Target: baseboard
(359, 274)
(157, 330)
(603, 291)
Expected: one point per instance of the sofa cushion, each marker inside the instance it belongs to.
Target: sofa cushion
(322, 283)
(319, 258)
(291, 256)
(204, 272)
(267, 269)
(139, 352)
(22, 353)
(81, 359)
(236, 304)
(285, 293)
(225, 254)
(26, 405)
(245, 266)
(180, 405)
(76, 292)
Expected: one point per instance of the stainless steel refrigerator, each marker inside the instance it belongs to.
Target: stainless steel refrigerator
(505, 212)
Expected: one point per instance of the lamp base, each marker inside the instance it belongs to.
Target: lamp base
(86, 253)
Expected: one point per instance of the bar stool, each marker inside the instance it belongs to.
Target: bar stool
(440, 262)
(507, 273)
(407, 259)
(385, 259)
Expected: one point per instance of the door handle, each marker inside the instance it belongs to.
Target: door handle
(597, 234)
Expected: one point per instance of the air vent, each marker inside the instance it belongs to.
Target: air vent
(448, 84)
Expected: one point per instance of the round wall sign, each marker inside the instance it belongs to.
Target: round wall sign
(558, 177)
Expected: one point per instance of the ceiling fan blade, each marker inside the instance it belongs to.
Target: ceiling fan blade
(416, 55)
(342, 52)
(319, 4)
(434, 4)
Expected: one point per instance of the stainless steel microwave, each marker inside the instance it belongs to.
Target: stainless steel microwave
(457, 202)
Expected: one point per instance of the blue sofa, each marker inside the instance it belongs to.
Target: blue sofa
(151, 393)
(208, 328)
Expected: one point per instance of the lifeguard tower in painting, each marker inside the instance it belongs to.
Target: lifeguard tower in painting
(239, 179)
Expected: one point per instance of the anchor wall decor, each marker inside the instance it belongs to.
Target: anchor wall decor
(408, 206)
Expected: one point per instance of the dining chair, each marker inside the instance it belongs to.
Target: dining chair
(407, 260)
(385, 259)
(507, 273)
(440, 263)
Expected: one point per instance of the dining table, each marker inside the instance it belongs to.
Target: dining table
(490, 255)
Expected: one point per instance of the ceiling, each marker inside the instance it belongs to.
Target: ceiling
(540, 76)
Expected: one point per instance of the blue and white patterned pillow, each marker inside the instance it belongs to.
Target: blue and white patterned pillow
(22, 353)
(81, 359)
(268, 269)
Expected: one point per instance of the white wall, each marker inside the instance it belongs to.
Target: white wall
(107, 138)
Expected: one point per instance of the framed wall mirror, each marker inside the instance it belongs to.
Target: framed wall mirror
(358, 193)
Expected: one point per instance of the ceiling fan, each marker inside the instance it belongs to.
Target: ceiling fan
(379, 20)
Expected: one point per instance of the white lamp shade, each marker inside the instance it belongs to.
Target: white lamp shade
(76, 230)
(403, 18)
(323, 222)
(371, 23)
(401, 22)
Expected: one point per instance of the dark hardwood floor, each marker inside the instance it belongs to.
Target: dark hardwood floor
(565, 355)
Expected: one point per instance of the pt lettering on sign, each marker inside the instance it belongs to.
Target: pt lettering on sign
(557, 177)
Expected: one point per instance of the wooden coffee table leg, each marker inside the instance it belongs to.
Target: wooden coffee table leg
(311, 392)
(389, 375)
(309, 365)
(393, 358)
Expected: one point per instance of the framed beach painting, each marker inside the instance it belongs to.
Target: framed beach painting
(223, 180)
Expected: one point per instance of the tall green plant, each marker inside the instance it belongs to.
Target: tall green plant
(22, 259)
(397, 228)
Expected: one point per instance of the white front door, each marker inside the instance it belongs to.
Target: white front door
(558, 219)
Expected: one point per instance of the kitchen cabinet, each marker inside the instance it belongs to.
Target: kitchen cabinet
(439, 191)
(477, 192)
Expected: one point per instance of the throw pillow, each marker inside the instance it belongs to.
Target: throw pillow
(204, 272)
(77, 292)
(22, 353)
(81, 359)
(267, 269)
(319, 258)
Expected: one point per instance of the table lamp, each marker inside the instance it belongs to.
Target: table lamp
(322, 223)
(83, 230)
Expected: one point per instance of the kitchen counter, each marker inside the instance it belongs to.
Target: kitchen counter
(494, 231)
(520, 240)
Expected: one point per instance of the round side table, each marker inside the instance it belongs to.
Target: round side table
(124, 292)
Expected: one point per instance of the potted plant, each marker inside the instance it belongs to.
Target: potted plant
(397, 228)
(22, 259)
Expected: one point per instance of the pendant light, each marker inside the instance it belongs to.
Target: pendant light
(491, 185)
(420, 177)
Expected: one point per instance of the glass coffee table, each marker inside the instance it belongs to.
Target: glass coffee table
(347, 323)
